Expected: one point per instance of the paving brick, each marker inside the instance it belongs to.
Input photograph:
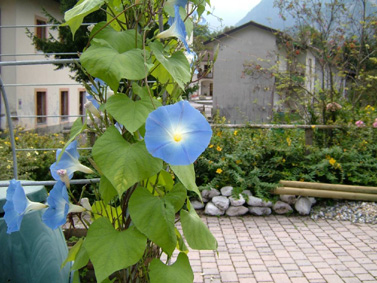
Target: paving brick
(262, 276)
(287, 249)
(281, 278)
(228, 276)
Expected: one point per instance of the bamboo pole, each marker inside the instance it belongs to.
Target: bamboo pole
(325, 194)
(329, 187)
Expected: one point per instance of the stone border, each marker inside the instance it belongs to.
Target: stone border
(222, 202)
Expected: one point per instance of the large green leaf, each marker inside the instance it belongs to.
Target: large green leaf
(108, 64)
(110, 250)
(180, 271)
(76, 15)
(195, 231)
(106, 190)
(186, 174)
(154, 216)
(81, 260)
(121, 41)
(131, 114)
(176, 64)
(73, 252)
(122, 163)
(177, 196)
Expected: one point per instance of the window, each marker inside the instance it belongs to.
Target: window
(41, 29)
(64, 105)
(82, 98)
(41, 110)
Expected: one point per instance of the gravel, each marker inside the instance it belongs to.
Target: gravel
(354, 211)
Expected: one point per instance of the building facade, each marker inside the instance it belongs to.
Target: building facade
(34, 90)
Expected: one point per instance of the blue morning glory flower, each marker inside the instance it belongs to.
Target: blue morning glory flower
(180, 3)
(68, 163)
(17, 205)
(92, 105)
(177, 28)
(91, 99)
(177, 133)
(59, 206)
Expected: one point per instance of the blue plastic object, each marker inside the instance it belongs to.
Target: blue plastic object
(35, 253)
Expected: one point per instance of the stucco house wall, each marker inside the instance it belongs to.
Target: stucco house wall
(237, 96)
(14, 41)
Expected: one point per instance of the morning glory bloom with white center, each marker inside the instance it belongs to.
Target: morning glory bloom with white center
(92, 105)
(59, 206)
(17, 205)
(177, 28)
(68, 163)
(177, 133)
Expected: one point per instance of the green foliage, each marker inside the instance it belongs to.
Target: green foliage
(33, 164)
(257, 159)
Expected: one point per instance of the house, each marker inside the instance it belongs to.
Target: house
(34, 90)
(244, 87)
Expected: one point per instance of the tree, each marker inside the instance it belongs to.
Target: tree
(65, 43)
(341, 35)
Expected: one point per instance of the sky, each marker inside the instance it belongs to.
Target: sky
(231, 11)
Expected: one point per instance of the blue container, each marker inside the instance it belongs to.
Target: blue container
(35, 253)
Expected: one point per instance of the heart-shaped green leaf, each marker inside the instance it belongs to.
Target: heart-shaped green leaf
(186, 174)
(177, 196)
(76, 15)
(111, 250)
(131, 114)
(106, 190)
(154, 216)
(180, 271)
(108, 64)
(122, 163)
(195, 231)
(176, 64)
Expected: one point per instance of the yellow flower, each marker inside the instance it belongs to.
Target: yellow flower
(219, 171)
(238, 161)
(219, 148)
(210, 162)
(8, 167)
(289, 141)
(218, 134)
(332, 161)
(283, 160)
(61, 142)
(28, 154)
(211, 145)
(313, 126)
(235, 132)
(16, 138)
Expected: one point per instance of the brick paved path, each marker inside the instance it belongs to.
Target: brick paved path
(287, 249)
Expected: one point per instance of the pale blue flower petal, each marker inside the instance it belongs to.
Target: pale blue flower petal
(179, 120)
(69, 161)
(15, 206)
(180, 3)
(58, 202)
(177, 28)
(92, 100)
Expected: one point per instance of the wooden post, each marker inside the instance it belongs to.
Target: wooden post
(325, 194)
